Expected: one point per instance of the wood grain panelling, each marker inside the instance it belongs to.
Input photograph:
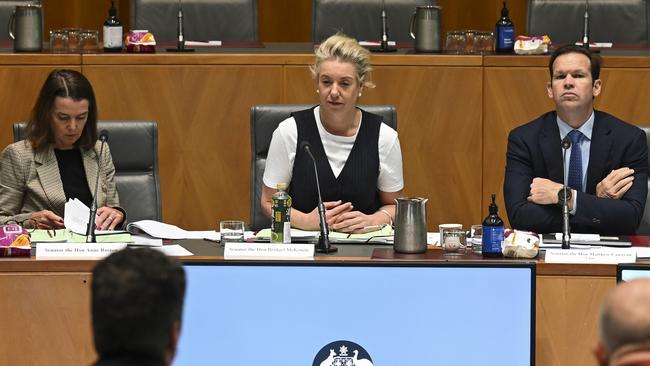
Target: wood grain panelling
(46, 319)
(285, 20)
(203, 127)
(22, 84)
(439, 122)
(512, 97)
(567, 318)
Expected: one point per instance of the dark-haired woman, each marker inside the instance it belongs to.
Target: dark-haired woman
(58, 159)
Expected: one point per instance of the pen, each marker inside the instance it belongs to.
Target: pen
(367, 229)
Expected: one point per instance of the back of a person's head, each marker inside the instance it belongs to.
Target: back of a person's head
(137, 295)
(625, 323)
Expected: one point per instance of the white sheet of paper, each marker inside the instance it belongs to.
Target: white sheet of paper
(433, 238)
(203, 43)
(375, 43)
(158, 229)
(579, 237)
(145, 240)
(75, 217)
(174, 250)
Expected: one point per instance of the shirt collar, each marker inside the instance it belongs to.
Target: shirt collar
(586, 128)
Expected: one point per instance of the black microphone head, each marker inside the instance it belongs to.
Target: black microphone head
(305, 146)
(103, 136)
(566, 143)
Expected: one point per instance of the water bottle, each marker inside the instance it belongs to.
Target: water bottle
(505, 32)
(492, 232)
(281, 219)
(112, 31)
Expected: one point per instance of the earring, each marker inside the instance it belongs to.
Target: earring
(317, 91)
(359, 94)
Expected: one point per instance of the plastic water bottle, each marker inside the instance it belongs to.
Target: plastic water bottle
(281, 220)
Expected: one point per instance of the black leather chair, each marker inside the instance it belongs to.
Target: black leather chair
(134, 148)
(6, 9)
(644, 227)
(264, 120)
(223, 20)
(362, 18)
(618, 21)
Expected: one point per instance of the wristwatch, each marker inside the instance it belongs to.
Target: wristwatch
(560, 196)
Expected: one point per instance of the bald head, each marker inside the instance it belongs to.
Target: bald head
(625, 315)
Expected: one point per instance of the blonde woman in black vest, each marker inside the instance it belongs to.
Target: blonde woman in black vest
(358, 156)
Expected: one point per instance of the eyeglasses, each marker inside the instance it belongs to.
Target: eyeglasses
(30, 225)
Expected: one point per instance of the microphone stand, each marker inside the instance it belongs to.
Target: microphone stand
(384, 32)
(180, 44)
(585, 32)
(566, 228)
(323, 245)
(90, 230)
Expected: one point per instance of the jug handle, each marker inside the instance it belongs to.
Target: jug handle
(11, 26)
(411, 26)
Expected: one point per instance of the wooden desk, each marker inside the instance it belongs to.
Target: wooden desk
(47, 306)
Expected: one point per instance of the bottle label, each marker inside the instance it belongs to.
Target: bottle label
(492, 239)
(112, 37)
(505, 36)
(281, 220)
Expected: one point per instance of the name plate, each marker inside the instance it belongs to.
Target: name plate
(592, 256)
(71, 251)
(268, 251)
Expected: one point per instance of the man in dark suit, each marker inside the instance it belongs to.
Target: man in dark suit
(137, 304)
(607, 163)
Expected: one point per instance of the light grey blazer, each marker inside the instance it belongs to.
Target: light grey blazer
(30, 181)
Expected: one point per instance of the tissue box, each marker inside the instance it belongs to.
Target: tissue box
(537, 45)
(14, 241)
(140, 41)
(520, 244)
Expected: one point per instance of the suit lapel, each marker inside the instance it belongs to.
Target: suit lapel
(549, 144)
(50, 179)
(601, 144)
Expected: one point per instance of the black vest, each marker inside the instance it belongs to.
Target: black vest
(357, 182)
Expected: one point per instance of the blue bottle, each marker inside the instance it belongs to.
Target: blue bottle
(492, 232)
(505, 33)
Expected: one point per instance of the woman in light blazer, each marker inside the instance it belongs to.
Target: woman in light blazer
(58, 159)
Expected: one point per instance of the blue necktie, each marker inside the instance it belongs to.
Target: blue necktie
(575, 164)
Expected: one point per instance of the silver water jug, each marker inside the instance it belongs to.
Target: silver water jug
(411, 225)
(425, 28)
(26, 28)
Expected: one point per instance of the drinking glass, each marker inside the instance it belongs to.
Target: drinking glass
(88, 40)
(484, 42)
(470, 41)
(476, 237)
(455, 42)
(73, 39)
(453, 241)
(58, 41)
(231, 231)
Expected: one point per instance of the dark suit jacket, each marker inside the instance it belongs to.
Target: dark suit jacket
(534, 151)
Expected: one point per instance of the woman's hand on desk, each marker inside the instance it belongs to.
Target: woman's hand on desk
(333, 209)
(354, 222)
(108, 218)
(47, 219)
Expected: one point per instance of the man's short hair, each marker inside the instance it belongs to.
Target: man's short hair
(570, 48)
(137, 295)
(624, 318)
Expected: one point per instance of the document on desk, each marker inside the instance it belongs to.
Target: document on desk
(75, 217)
(584, 241)
(383, 235)
(174, 250)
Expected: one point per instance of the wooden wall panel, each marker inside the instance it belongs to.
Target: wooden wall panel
(512, 97)
(22, 84)
(567, 318)
(46, 319)
(203, 127)
(439, 122)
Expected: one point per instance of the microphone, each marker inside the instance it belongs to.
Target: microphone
(585, 32)
(566, 228)
(323, 245)
(384, 32)
(90, 230)
(180, 43)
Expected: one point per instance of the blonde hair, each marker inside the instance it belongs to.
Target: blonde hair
(346, 49)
